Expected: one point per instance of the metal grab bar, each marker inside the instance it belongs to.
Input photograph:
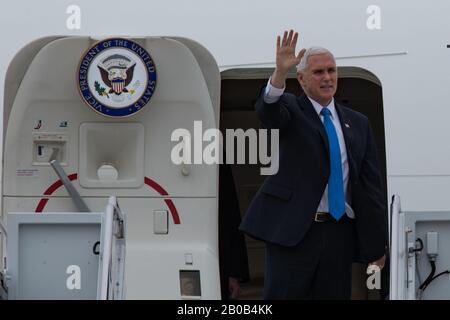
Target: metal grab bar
(112, 214)
(76, 198)
(393, 242)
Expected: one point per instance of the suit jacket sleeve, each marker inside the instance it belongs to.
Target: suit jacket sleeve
(371, 206)
(273, 115)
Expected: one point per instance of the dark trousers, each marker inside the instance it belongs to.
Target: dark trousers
(319, 267)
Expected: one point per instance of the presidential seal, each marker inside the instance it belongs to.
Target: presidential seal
(116, 77)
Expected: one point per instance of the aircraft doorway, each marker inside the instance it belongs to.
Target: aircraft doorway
(357, 88)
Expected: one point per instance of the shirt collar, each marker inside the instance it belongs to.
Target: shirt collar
(319, 108)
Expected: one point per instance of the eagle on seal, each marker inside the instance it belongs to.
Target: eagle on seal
(117, 72)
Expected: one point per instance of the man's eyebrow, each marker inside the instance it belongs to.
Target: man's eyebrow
(323, 68)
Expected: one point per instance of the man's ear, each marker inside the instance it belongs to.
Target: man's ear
(300, 78)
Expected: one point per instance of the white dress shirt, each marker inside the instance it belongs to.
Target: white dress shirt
(272, 95)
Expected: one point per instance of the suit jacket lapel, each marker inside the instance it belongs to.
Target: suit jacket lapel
(346, 126)
(311, 113)
(348, 136)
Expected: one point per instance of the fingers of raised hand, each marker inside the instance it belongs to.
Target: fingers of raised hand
(294, 40)
(301, 54)
(289, 39)
(285, 36)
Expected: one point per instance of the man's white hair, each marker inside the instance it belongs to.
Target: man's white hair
(311, 52)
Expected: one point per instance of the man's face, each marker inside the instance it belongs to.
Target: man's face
(319, 79)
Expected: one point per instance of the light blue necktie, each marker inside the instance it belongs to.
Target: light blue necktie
(336, 199)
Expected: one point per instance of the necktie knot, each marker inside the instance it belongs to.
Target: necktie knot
(325, 112)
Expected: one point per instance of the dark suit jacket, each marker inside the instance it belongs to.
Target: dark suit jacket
(283, 208)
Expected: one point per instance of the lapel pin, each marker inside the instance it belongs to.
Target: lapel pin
(347, 125)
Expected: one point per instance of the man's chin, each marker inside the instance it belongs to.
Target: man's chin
(326, 98)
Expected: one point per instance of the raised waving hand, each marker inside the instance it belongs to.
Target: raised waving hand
(286, 58)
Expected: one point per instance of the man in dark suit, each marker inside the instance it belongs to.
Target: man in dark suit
(325, 206)
(232, 249)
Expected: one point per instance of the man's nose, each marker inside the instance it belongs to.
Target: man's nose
(326, 75)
